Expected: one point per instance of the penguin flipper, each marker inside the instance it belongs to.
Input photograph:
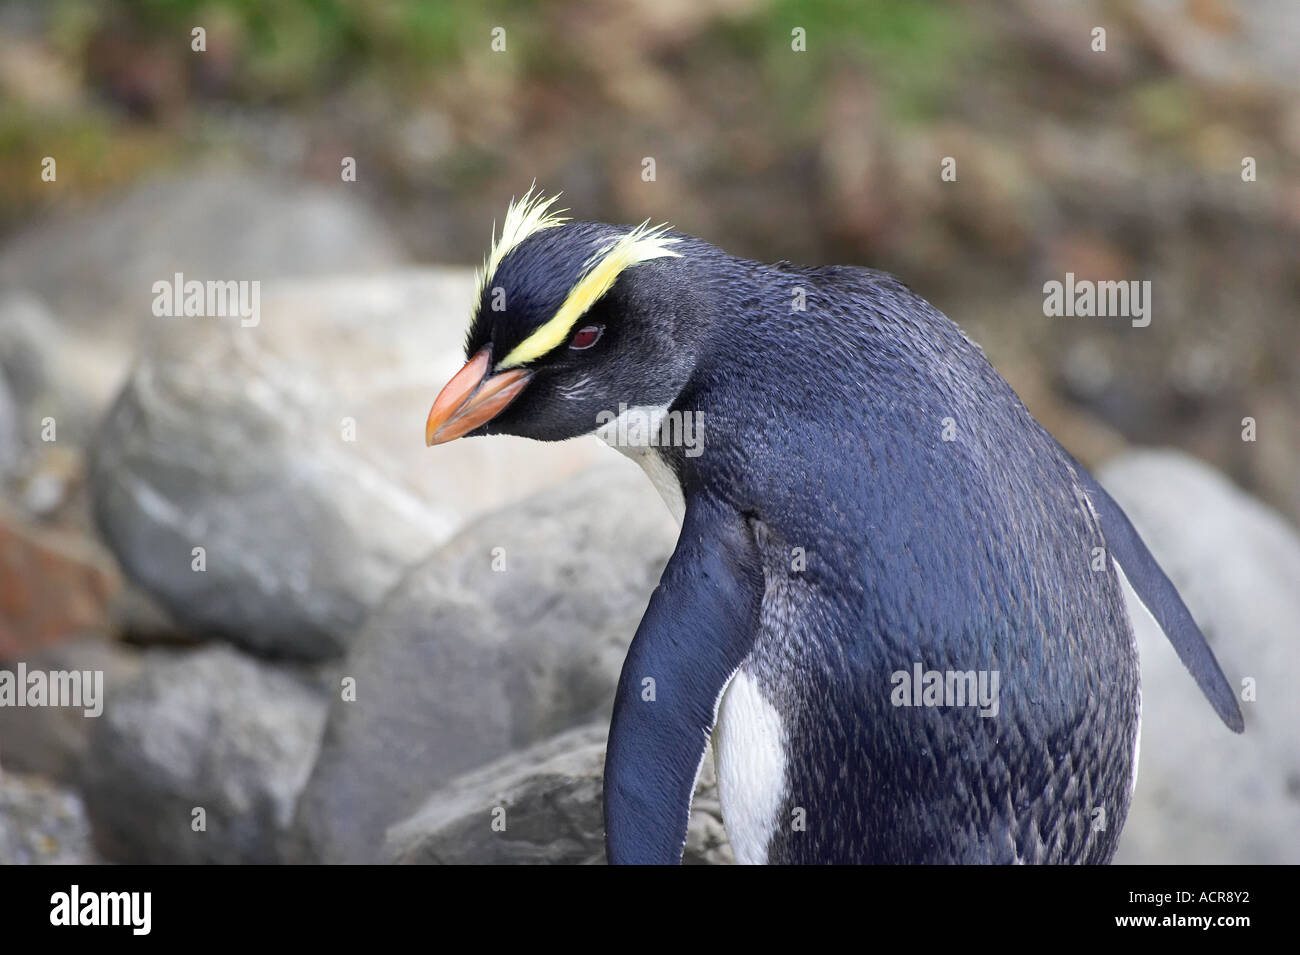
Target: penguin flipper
(698, 629)
(1161, 598)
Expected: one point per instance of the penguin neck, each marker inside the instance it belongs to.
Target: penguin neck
(711, 296)
(637, 433)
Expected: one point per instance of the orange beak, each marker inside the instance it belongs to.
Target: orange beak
(472, 398)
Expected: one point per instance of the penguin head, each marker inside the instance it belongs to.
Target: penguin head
(571, 320)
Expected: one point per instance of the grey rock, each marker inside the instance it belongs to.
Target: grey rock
(58, 386)
(293, 453)
(54, 374)
(1204, 794)
(296, 546)
(542, 806)
(464, 663)
(25, 327)
(53, 740)
(11, 444)
(96, 268)
(42, 824)
(545, 805)
(209, 729)
(78, 303)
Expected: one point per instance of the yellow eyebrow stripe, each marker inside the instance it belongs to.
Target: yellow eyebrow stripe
(639, 245)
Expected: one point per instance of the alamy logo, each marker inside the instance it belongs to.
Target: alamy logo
(924, 687)
(75, 907)
(74, 688)
(194, 299)
(1086, 299)
(648, 427)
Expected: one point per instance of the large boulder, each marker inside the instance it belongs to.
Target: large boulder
(292, 452)
(542, 805)
(208, 730)
(512, 632)
(1204, 794)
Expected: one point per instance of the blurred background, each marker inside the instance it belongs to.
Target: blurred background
(308, 651)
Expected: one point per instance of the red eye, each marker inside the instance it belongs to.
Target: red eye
(586, 337)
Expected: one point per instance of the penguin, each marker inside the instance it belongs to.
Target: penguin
(897, 606)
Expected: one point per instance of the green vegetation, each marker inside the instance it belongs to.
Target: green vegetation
(911, 49)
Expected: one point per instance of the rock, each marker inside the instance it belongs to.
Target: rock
(1204, 794)
(51, 484)
(462, 664)
(53, 740)
(66, 378)
(41, 823)
(293, 453)
(56, 578)
(548, 798)
(52, 583)
(56, 568)
(208, 729)
(1220, 46)
(11, 444)
(97, 268)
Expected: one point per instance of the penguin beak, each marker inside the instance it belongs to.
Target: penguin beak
(472, 398)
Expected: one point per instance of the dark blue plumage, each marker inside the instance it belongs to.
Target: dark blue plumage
(939, 524)
(711, 590)
(970, 554)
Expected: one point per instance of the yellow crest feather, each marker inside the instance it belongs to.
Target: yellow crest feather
(524, 217)
(639, 245)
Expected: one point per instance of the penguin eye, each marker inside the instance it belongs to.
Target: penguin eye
(584, 338)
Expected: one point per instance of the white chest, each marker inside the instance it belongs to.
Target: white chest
(749, 754)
